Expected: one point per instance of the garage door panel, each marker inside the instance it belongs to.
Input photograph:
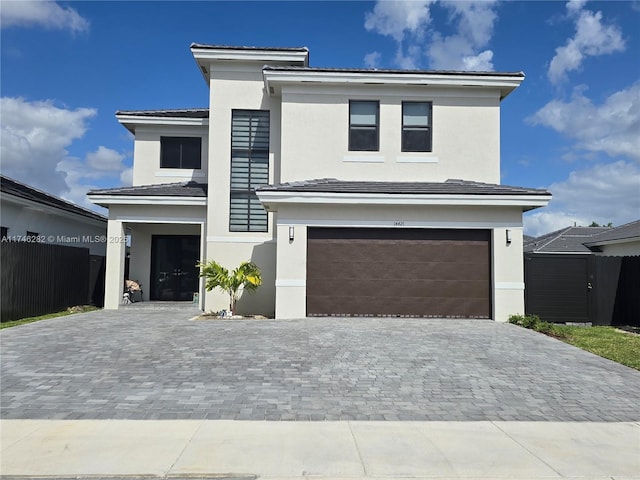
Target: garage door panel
(397, 272)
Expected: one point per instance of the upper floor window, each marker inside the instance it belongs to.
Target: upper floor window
(416, 126)
(249, 169)
(181, 152)
(364, 125)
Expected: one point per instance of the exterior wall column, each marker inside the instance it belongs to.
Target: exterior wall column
(291, 272)
(508, 273)
(114, 276)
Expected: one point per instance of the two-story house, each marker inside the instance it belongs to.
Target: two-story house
(357, 192)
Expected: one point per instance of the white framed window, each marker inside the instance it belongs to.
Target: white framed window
(364, 125)
(416, 126)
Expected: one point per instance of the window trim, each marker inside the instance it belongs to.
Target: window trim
(376, 126)
(428, 128)
(181, 138)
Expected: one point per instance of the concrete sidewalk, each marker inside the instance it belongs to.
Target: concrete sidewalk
(345, 449)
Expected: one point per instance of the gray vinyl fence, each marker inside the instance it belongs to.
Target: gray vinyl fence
(39, 278)
(583, 288)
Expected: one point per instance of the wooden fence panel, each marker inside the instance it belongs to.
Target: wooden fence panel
(38, 278)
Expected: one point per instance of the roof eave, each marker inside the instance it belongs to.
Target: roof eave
(205, 55)
(131, 121)
(272, 199)
(106, 200)
(275, 79)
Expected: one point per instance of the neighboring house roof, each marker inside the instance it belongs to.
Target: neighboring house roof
(181, 189)
(450, 187)
(565, 240)
(628, 231)
(582, 239)
(18, 189)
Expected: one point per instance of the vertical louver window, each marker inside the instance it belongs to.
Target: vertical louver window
(249, 169)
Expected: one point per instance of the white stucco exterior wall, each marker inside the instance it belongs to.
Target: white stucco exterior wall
(506, 264)
(315, 135)
(621, 249)
(53, 225)
(146, 154)
(238, 85)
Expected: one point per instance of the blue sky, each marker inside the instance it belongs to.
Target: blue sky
(572, 127)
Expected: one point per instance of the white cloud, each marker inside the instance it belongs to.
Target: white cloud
(592, 38)
(35, 137)
(460, 51)
(396, 18)
(480, 62)
(46, 14)
(603, 193)
(105, 160)
(372, 60)
(611, 127)
(409, 23)
(126, 177)
(34, 140)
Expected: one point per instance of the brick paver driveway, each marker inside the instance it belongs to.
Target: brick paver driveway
(142, 363)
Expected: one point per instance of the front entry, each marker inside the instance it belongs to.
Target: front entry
(174, 275)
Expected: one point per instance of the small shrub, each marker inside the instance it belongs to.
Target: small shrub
(533, 322)
(526, 321)
(544, 327)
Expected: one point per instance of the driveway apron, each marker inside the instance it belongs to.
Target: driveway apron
(146, 363)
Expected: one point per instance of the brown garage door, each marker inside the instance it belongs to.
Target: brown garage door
(399, 272)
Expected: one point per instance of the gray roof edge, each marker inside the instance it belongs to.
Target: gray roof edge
(331, 184)
(399, 71)
(140, 189)
(206, 46)
(168, 112)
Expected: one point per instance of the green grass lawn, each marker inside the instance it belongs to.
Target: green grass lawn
(607, 342)
(68, 311)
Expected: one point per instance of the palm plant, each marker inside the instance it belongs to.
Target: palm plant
(246, 276)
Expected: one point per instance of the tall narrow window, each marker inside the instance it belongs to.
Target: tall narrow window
(364, 125)
(181, 152)
(4, 233)
(416, 126)
(249, 169)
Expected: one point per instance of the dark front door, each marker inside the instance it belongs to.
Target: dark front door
(174, 275)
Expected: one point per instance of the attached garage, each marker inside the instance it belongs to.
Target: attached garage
(449, 249)
(399, 272)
